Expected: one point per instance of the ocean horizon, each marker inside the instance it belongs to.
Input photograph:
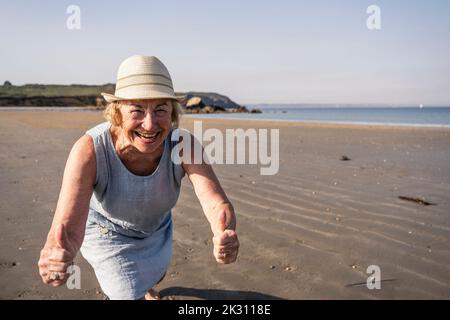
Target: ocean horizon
(408, 116)
(391, 116)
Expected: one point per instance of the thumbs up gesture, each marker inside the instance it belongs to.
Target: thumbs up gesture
(226, 243)
(56, 256)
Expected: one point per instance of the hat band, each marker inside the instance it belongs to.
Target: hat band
(143, 79)
(145, 74)
(143, 84)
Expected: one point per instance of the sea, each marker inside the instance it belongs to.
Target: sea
(420, 116)
(399, 116)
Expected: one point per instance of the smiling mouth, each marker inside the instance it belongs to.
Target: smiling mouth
(147, 137)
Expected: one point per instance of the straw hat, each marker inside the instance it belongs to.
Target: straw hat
(142, 77)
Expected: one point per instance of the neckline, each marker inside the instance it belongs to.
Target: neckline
(111, 144)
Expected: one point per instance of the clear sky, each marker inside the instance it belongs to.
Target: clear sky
(253, 51)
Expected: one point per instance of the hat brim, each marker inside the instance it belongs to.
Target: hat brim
(112, 98)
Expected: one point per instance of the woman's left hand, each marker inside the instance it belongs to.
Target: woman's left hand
(226, 243)
(226, 246)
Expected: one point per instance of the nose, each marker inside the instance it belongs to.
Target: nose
(149, 121)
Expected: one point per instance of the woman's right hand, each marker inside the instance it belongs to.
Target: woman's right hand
(56, 256)
(70, 214)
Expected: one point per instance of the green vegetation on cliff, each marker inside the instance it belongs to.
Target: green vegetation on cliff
(89, 95)
(53, 90)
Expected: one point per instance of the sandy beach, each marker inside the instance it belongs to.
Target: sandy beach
(308, 232)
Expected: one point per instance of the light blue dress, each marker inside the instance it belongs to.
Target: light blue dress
(128, 238)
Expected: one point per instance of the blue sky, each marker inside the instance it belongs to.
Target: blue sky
(252, 51)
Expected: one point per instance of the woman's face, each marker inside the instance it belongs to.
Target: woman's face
(146, 123)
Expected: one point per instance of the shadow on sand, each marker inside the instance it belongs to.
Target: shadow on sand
(213, 294)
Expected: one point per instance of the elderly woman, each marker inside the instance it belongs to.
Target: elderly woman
(120, 185)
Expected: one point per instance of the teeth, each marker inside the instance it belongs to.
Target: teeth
(148, 135)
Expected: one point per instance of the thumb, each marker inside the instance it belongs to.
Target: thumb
(221, 222)
(62, 240)
(225, 238)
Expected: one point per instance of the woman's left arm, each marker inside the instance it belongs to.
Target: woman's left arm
(218, 210)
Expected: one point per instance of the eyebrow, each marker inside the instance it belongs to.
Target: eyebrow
(164, 104)
(161, 105)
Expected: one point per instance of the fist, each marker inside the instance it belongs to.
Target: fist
(55, 259)
(226, 247)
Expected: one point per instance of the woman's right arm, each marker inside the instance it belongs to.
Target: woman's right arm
(67, 230)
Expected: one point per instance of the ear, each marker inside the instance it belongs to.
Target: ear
(176, 110)
(117, 114)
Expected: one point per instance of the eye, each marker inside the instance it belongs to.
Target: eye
(136, 111)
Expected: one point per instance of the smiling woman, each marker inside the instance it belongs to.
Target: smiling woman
(139, 138)
(120, 186)
(141, 125)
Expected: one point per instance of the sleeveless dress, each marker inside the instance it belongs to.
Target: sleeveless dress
(128, 236)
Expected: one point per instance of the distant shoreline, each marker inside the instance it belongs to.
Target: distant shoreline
(325, 122)
(223, 117)
(50, 108)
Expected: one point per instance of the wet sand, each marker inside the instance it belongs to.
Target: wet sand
(309, 232)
